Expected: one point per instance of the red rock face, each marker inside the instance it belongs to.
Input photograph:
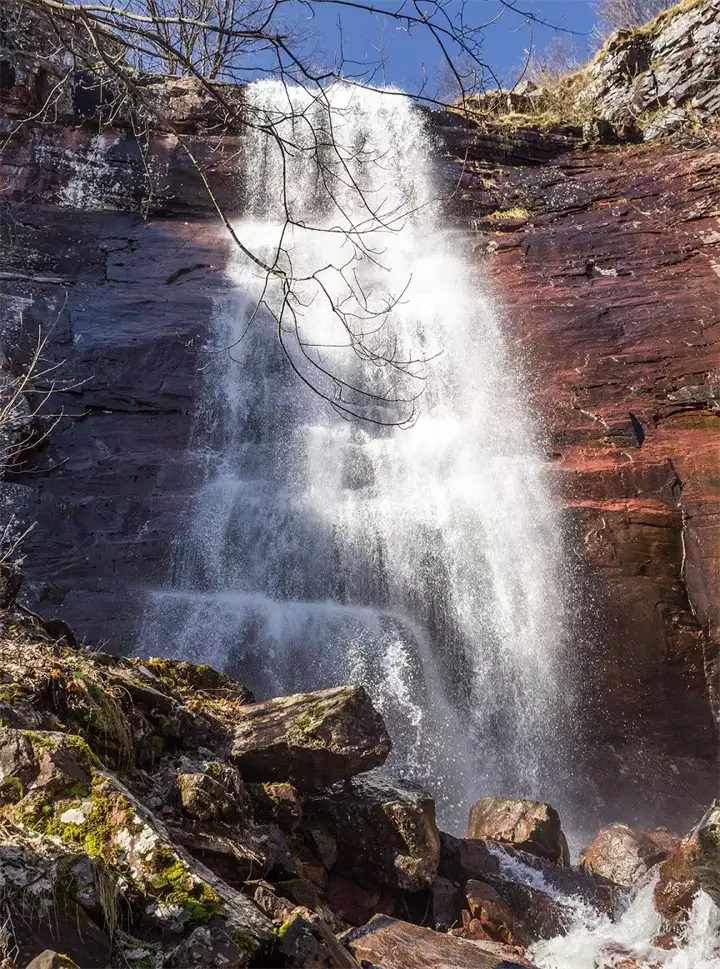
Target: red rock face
(609, 282)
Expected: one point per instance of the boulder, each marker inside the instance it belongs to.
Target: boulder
(237, 857)
(623, 854)
(706, 858)
(276, 803)
(204, 799)
(537, 912)
(393, 944)
(529, 825)
(356, 904)
(384, 830)
(309, 739)
(694, 866)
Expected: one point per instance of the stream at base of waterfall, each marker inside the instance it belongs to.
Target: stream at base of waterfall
(417, 551)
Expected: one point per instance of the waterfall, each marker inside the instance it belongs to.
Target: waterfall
(423, 560)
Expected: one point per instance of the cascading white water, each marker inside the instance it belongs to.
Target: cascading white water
(595, 941)
(421, 561)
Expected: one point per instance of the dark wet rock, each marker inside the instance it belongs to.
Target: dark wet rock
(461, 858)
(447, 903)
(537, 914)
(384, 829)
(514, 875)
(393, 944)
(528, 825)
(356, 904)
(310, 739)
(623, 854)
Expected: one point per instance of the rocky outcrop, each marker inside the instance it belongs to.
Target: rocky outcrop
(624, 854)
(149, 833)
(528, 825)
(130, 833)
(312, 739)
(663, 75)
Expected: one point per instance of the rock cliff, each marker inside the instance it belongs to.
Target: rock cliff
(605, 259)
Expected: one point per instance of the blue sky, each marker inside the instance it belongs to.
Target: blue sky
(407, 58)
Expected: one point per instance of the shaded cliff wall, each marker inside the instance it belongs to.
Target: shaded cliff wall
(607, 271)
(122, 281)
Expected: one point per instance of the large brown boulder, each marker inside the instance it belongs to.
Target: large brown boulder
(623, 854)
(310, 739)
(393, 944)
(694, 866)
(528, 825)
(385, 831)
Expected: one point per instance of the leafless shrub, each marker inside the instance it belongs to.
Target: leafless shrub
(615, 15)
(561, 58)
(25, 425)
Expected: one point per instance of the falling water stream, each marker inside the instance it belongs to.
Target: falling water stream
(422, 561)
(417, 552)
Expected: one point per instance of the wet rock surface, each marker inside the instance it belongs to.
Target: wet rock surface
(694, 865)
(527, 825)
(624, 854)
(384, 830)
(608, 287)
